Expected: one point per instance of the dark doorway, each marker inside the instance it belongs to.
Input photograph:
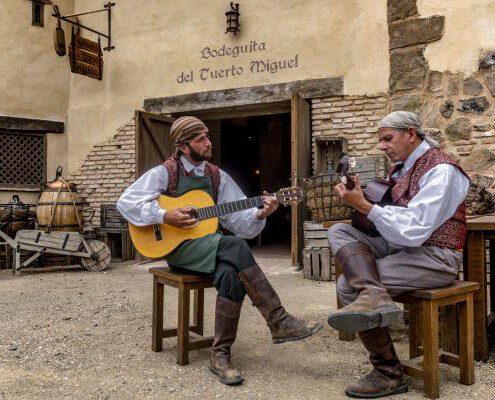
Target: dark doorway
(255, 152)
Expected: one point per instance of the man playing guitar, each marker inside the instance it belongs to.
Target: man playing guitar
(420, 237)
(226, 258)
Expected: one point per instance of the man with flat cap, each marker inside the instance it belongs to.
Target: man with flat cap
(226, 258)
(421, 235)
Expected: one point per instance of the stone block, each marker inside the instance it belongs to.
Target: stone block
(472, 87)
(407, 70)
(488, 60)
(474, 105)
(400, 9)
(490, 82)
(416, 31)
(407, 103)
(459, 129)
(432, 117)
(454, 84)
(447, 108)
(482, 127)
(435, 81)
(480, 159)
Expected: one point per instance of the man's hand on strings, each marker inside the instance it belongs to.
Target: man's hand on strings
(270, 204)
(355, 197)
(180, 218)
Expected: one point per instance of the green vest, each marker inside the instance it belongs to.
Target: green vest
(197, 255)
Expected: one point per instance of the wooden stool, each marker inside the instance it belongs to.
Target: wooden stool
(423, 323)
(185, 283)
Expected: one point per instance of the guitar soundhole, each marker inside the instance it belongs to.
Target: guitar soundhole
(193, 213)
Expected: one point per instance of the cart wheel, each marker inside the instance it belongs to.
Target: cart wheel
(99, 259)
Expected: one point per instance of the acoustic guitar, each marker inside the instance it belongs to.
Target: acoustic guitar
(377, 191)
(155, 241)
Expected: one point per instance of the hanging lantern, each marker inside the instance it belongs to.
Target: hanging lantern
(233, 18)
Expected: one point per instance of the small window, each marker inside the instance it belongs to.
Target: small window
(38, 14)
(22, 160)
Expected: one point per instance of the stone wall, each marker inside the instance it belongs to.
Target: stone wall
(457, 110)
(107, 170)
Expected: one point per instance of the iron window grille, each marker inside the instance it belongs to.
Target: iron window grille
(22, 160)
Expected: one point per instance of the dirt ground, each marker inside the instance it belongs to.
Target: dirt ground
(72, 334)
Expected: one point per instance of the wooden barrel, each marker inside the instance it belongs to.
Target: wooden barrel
(59, 198)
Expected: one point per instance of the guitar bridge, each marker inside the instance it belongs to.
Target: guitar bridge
(158, 232)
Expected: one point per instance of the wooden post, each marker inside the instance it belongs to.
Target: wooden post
(477, 273)
(466, 345)
(157, 317)
(431, 352)
(183, 328)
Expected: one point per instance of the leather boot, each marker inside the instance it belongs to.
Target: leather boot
(373, 307)
(386, 378)
(227, 314)
(283, 326)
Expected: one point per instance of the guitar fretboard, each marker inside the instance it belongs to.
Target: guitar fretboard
(229, 208)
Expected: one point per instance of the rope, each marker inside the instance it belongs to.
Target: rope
(64, 182)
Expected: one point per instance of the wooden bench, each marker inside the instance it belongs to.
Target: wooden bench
(424, 352)
(188, 337)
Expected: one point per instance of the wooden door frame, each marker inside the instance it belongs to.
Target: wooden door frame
(247, 102)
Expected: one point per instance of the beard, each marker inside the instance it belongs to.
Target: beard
(198, 157)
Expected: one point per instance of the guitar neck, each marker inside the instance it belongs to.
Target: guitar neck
(229, 208)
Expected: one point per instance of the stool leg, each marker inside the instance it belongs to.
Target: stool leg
(198, 313)
(157, 323)
(183, 327)
(430, 349)
(414, 324)
(466, 341)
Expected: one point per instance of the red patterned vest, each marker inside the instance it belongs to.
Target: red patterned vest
(175, 167)
(452, 233)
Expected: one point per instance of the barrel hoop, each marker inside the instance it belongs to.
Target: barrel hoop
(62, 203)
(66, 225)
(56, 190)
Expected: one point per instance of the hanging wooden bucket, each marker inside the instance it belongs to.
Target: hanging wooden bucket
(59, 208)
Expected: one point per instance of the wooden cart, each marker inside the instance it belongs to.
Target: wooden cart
(94, 254)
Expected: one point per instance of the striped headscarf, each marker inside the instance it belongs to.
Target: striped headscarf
(186, 128)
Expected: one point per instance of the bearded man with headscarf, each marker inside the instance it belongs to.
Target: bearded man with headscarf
(226, 258)
(419, 245)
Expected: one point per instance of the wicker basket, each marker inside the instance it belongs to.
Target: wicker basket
(322, 202)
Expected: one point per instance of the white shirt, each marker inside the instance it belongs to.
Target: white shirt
(441, 190)
(139, 206)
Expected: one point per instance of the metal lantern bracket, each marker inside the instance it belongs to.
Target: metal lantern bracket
(107, 8)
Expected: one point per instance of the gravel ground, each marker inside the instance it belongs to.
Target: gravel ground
(72, 334)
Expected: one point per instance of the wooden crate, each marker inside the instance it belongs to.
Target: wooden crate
(315, 234)
(317, 264)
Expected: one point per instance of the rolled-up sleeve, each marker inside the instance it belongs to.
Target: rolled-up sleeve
(243, 223)
(138, 203)
(442, 190)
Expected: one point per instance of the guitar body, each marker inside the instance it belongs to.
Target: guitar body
(145, 238)
(378, 191)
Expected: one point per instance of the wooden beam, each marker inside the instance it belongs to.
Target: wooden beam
(31, 125)
(311, 88)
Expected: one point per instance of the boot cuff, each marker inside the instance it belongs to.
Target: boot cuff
(228, 308)
(352, 249)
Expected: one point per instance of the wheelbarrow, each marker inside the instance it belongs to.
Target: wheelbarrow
(94, 254)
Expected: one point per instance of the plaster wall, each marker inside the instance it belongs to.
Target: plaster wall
(469, 32)
(34, 81)
(159, 43)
